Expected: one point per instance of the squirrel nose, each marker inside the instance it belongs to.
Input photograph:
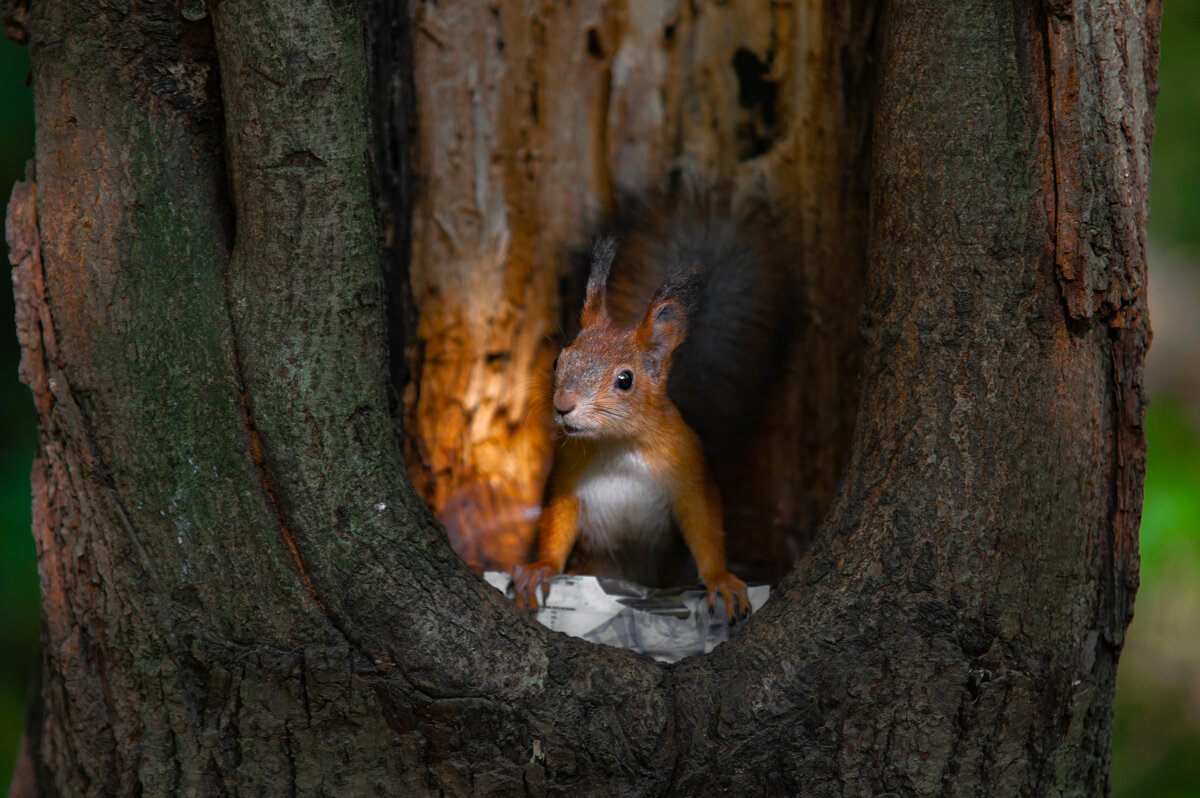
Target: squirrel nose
(564, 404)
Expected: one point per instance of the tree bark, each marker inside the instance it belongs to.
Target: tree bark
(243, 593)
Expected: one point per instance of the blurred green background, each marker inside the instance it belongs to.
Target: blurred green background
(19, 622)
(1156, 749)
(1156, 744)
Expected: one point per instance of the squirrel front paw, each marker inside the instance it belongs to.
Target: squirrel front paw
(528, 578)
(733, 591)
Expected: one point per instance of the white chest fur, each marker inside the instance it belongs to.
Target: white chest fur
(619, 498)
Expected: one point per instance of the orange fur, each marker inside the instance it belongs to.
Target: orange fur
(616, 434)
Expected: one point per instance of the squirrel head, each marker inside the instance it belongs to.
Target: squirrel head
(609, 381)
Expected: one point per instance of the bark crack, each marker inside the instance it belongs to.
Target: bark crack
(1054, 208)
(258, 457)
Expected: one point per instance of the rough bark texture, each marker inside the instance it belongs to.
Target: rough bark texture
(243, 593)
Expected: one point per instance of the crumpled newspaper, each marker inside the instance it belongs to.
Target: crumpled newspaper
(665, 624)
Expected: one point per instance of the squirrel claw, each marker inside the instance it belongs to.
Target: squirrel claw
(733, 591)
(526, 581)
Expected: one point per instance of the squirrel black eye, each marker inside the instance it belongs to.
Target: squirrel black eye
(625, 380)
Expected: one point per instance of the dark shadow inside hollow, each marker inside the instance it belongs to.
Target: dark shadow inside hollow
(757, 100)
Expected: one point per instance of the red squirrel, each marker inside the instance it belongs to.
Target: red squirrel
(631, 474)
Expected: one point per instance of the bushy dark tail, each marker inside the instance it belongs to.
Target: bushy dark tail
(742, 305)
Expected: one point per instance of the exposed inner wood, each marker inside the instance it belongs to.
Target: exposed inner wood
(533, 123)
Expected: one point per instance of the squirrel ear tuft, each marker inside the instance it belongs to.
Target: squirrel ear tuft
(663, 328)
(666, 321)
(604, 252)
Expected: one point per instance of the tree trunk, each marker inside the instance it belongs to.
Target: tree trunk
(237, 209)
